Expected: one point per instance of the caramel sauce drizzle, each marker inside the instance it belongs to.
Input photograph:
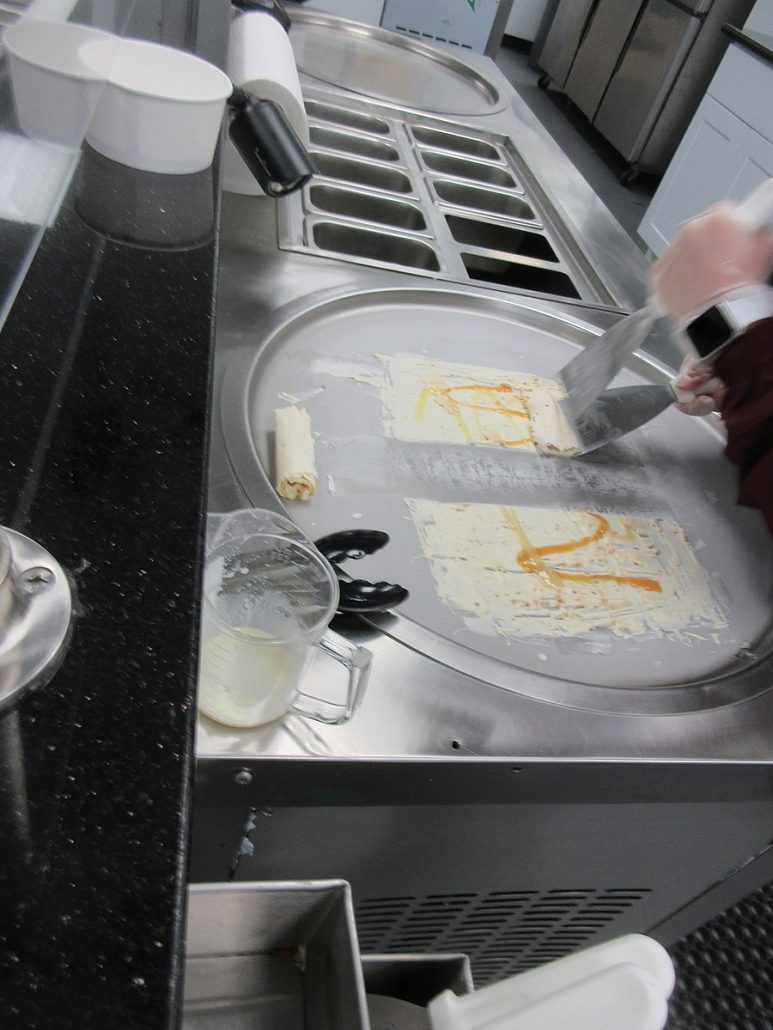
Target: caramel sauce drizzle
(484, 399)
(530, 557)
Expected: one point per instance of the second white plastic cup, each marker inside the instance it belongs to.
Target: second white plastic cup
(160, 109)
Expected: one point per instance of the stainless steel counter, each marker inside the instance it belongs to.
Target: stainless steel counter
(431, 698)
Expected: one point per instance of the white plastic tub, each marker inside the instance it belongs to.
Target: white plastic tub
(160, 109)
(55, 92)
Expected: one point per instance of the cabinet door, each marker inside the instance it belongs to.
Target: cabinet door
(653, 58)
(563, 38)
(600, 52)
(720, 158)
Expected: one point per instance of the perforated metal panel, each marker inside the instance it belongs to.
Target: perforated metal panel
(502, 933)
(724, 970)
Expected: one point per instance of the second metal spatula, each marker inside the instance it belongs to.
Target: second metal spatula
(596, 415)
(619, 411)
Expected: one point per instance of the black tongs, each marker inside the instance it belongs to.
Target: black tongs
(359, 596)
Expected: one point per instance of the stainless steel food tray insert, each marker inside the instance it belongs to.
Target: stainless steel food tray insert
(673, 467)
(402, 191)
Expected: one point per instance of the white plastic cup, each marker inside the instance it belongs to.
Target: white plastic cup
(160, 109)
(55, 93)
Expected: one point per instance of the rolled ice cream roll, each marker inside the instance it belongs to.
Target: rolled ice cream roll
(296, 471)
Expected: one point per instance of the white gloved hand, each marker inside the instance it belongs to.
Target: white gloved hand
(707, 391)
(712, 256)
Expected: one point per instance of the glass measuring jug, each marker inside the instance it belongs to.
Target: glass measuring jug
(268, 598)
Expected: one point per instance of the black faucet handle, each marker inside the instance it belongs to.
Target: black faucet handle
(268, 144)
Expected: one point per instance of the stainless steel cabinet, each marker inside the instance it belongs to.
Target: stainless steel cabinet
(563, 39)
(639, 68)
(599, 52)
(642, 82)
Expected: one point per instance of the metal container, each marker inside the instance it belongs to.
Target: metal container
(439, 199)
(399, 987)
(416, 978)
(269, 955)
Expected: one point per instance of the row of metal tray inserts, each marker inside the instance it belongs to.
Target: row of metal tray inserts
(445, 202)
(266, 955)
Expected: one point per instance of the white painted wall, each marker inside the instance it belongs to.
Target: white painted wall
(366, 11)
(761, 17)
(525, 17)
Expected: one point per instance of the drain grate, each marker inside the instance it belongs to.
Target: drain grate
(502, 933)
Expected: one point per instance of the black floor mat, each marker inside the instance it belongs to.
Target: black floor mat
(724, 970)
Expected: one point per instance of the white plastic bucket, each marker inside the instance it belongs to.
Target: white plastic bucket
(55, 93)
(160, 109)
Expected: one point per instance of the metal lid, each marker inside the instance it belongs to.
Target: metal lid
(5, 556)
(35, 610)
(387, 66)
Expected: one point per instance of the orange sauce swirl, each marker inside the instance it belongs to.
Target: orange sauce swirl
(530, 560)
(484, 400)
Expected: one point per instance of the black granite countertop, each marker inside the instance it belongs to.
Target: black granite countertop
(104, 387)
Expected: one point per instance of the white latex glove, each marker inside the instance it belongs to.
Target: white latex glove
(708, 391)
(712, 256)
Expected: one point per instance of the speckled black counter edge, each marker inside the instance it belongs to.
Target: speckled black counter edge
(104, 396)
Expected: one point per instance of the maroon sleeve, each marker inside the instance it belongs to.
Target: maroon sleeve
(747, 369)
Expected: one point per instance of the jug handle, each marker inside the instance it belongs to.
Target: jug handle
(356, 660)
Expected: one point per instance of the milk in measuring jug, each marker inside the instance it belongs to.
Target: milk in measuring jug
(244, 684)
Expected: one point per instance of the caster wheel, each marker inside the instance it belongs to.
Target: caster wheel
(543, 81)
(631, 174)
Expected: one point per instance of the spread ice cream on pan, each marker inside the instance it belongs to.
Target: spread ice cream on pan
(435, 401)
(525, 571)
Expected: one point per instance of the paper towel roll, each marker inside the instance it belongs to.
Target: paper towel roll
(261, 61)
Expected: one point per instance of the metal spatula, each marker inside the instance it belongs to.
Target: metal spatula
(598, 416)
(616, 412)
